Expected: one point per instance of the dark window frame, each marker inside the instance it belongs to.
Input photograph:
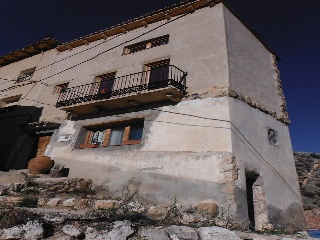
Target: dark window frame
(104, 83)
(151, 43)
(273, 137)
(106, 132)
(61, 88)
(26, 75)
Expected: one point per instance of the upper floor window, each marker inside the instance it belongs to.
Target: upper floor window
(154, 42)
(114, 134)
(60, 88)
(25, 75)
(9, 101)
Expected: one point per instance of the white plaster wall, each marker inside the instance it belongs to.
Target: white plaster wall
(252, 149)
(180, 155)
(250, 65)
(191, 126)
(197, 45)
(159, 177)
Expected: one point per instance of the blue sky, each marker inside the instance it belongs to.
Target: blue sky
(290, 27)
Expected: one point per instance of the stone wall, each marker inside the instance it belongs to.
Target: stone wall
(308, 169)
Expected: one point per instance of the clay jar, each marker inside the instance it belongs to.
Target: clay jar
(39, 164)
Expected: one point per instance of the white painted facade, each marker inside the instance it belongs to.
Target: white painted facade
(198, 149)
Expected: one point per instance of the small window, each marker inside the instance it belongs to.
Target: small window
(114, 134)
(10, 101)
(273, 137)
(155, 42)
(25, 75)
(60, 88)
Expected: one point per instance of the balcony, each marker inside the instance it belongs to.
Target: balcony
(154, 85)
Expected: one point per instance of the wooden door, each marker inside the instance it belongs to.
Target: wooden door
(42, 145)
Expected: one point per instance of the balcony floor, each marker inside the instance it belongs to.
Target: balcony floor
(123, 101)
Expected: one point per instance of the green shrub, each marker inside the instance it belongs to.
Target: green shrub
(85, 191)
(28, 202)
(30, 190)
(11, 217)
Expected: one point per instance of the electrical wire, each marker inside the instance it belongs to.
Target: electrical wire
(259, 157)
(109, 39)
(121, 44)
(130, 40)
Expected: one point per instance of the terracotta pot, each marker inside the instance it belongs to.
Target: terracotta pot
(39, 164)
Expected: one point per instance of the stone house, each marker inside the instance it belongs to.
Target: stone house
(183, 103)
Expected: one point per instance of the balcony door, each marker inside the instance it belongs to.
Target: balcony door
(157, 73)
(105, 83)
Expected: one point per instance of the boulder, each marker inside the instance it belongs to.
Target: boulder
(12, 233)
(72, 231)
(209, 206)
(121, 230)
(69, 202)
(30, 230)
(181, 233)
(91, 233)
(33, 230)
(53, 202)
(153, 234)
(4, 189)
(217, 233)
(81, 204)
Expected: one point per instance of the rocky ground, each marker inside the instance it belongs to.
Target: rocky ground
(308, 170)
(38, 207)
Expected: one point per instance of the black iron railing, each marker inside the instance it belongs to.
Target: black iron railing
(155, 78)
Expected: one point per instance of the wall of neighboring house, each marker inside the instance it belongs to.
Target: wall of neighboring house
(17, 144)
(274, 164)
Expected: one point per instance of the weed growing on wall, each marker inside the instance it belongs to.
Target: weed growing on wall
(28, 202)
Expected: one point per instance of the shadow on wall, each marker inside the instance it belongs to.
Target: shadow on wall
(17, 144)
(290, 220)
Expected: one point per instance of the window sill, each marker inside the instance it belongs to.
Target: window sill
(131, 142)
(88, 146)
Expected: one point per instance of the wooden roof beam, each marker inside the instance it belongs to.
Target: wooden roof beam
(144, 23)
(124, 30)
(191, 8)
(167, 16)
(211, 3)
